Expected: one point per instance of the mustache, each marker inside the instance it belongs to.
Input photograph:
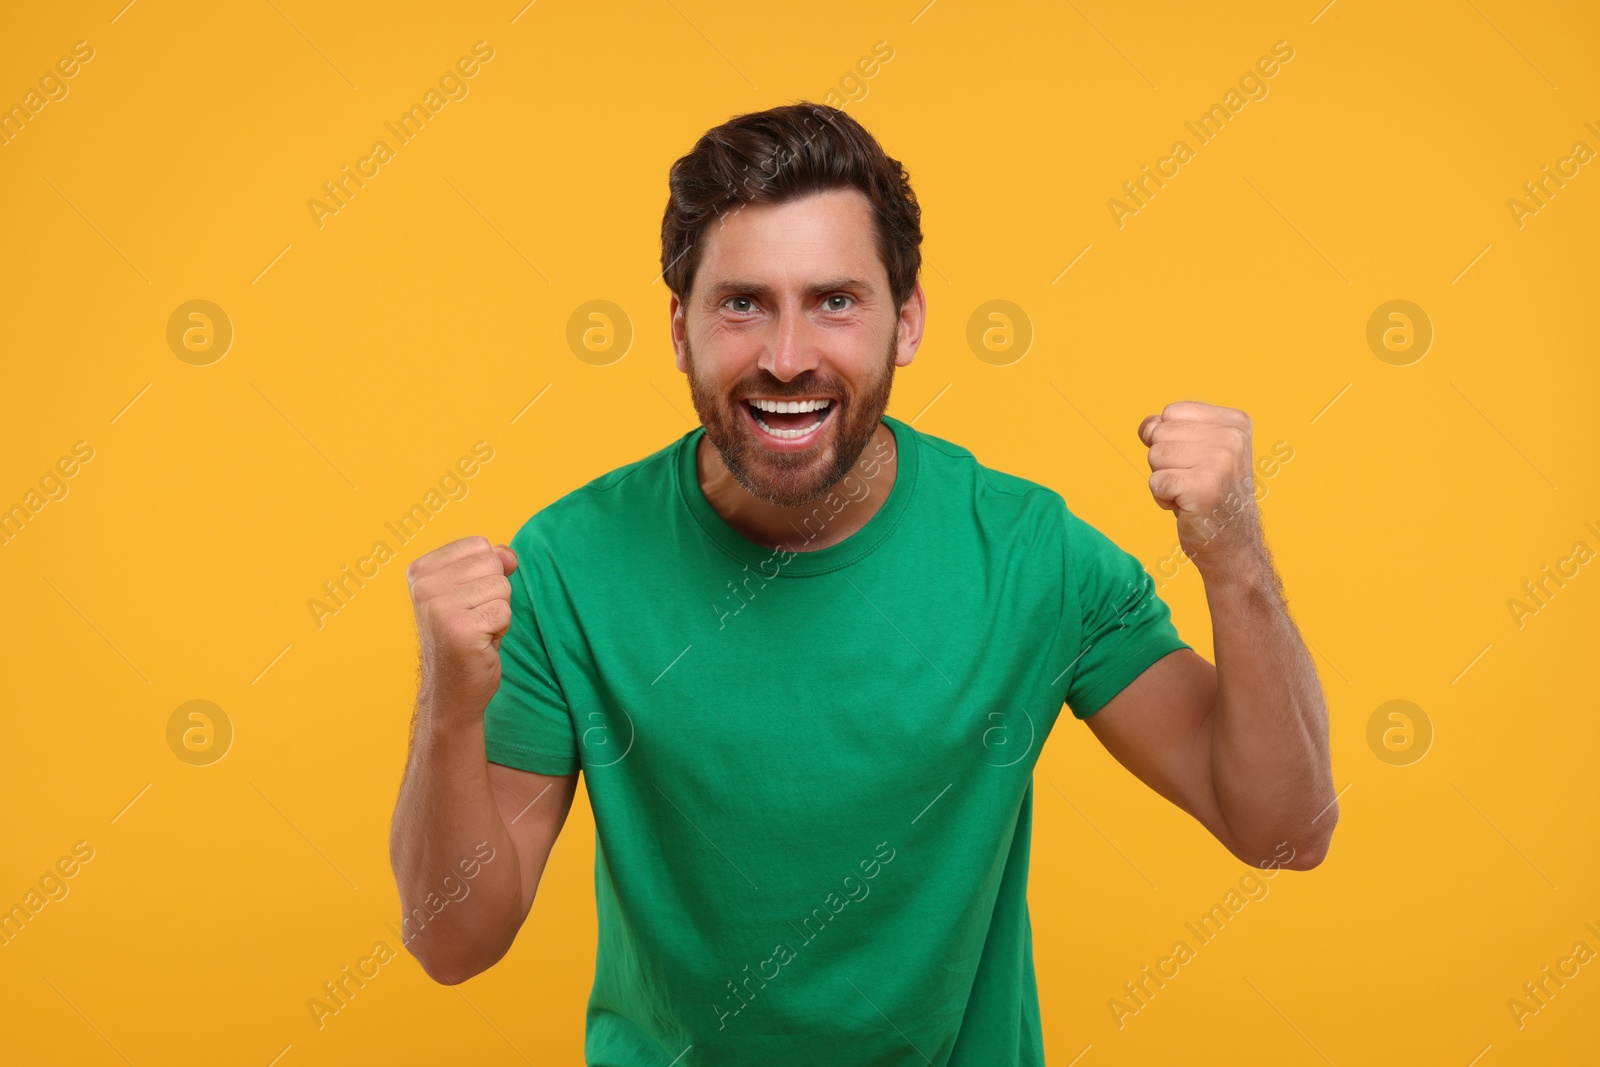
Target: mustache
(799, 389)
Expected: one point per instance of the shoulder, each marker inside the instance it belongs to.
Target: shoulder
(612, 502)
(1028, 514)
(955, 468)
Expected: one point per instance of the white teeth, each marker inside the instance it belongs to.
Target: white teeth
(790, 406)
(787, 434)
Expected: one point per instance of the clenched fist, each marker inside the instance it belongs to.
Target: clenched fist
(1201, 470)
(461, 595)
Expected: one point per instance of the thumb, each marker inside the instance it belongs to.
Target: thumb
(508, 558)
(1147, 428)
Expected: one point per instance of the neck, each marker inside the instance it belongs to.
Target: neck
(798, 529)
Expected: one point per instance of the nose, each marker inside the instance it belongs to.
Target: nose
(791, 350)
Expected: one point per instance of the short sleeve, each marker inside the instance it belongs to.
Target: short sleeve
(527, 723)
(1124, 626)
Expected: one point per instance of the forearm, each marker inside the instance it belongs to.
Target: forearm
(1269, 729)
(446, 811)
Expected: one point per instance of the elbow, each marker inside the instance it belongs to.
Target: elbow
(1310, 847)
(447, 971)
(1301, 850)
(444, 976)
(435, 965)
(1307, 858)
(451, 967)
(449, 976)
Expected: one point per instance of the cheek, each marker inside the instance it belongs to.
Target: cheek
(728, 355)
(710, 382)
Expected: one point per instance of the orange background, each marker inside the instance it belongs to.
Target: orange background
(428, 313)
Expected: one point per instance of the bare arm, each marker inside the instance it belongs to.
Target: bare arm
(1242, 746)
(469, 839)
(1269, 730)
(458, 813)
(1164, 727)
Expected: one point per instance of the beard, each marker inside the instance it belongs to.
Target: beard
(792, 479)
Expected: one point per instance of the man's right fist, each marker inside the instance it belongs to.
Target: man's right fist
(461, 595)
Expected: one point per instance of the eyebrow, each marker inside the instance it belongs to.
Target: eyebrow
(724, 289)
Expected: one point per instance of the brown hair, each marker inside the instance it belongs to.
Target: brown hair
(782, 154)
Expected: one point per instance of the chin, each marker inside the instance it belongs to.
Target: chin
(785, 484)
(791, 473)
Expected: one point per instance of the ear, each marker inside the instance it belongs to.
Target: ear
(679, 331)
(913, 317)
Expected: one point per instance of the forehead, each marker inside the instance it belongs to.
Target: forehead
(824, 234)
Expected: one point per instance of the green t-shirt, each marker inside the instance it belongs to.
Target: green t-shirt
(812, 771)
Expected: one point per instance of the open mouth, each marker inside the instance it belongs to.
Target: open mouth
(789, 421)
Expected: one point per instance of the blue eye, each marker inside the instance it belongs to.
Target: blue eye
(835, 296)
(746, 299)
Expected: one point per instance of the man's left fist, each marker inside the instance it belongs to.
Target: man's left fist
(1201, 469)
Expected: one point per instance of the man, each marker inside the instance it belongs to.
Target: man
(805, 657)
